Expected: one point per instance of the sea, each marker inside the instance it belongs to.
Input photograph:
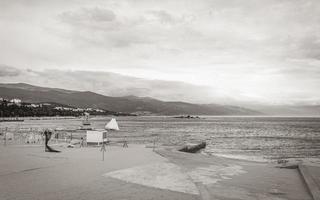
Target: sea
(242, 137)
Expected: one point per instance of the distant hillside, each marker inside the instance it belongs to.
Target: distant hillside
(129, 104)
(288, 110)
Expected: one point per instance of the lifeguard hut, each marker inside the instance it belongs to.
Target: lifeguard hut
(96, 137)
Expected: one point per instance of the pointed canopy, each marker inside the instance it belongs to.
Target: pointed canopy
(112, 125)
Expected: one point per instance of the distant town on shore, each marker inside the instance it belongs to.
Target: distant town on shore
(17, 108)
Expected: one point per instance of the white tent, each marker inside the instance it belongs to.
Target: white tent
(112, 125)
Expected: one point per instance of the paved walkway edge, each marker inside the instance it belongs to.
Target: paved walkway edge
(310, 182)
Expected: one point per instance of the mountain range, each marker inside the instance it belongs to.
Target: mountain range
(127, 104)
(145, 105)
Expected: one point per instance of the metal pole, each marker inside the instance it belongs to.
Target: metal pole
(103, 149)
(5, 136)
(102, 155)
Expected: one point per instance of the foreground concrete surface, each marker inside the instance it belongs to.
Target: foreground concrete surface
(227, 179)
(76, 173)
(139, 173)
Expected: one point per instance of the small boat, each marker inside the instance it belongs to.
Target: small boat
(86, 121)
(85, 128)
(86, 124)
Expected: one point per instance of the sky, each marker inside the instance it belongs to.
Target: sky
(207, 51)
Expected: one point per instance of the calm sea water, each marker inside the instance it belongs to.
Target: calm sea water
(251, 137)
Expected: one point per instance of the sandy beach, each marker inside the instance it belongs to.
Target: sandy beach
(27, 172)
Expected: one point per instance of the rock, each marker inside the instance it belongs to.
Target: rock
(193, 148)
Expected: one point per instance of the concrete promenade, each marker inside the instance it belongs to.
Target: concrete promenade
(139, 173)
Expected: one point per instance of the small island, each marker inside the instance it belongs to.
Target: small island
(187, 117)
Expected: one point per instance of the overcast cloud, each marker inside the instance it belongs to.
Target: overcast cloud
(112, 84)
(254, 50)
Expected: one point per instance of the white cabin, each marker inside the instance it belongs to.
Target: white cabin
(96, 137)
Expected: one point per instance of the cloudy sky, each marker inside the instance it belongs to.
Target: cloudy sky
(264, 51)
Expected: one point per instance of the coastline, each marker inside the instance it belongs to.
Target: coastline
(271, 139)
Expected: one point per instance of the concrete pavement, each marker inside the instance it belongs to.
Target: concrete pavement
(139, 173)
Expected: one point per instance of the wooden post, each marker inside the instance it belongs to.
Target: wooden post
(155, 137)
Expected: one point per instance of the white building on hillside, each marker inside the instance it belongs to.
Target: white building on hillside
(16, 101)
